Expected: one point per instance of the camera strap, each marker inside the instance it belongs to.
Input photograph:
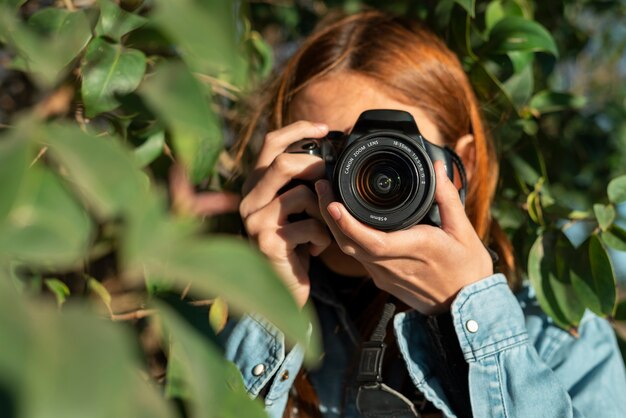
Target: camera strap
(374, 398)
(454, 157)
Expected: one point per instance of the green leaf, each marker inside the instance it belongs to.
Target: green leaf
(115, 22)
(468, 5)
(177, 98)
(151, 149)
(550, 101)
(499, 9)
(109, 70)
(620, 311)
(520, 86)
(605, 214)
(59, 289)
(104, 172)
(198, 372)
(550, 279)
(615, 237)
(592, 276)
(52, 38)
(12, 3)
(520, 60)
(524, 170)
(230, 268)
(515, 33)
(46, 357)
(617, 190)
(46, 225)
(206, 35)
(265, 53)
(218, 314)
(96, 287)
(14, 156)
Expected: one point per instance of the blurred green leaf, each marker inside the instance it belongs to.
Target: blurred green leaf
(524, 170)
(520, 86)
(108, 70)
(515, 33)
(617, 190)
(59, 289)
(605, 214)
(468, 5)
(549, 101)
(206, 34)
(151, 149)
(115, 22)
(218, 314)
(103, 172)
(46, 225)
(14, 156)
(499, 9)
(230, 268)
(177, 98)
(520, 60)
(615, 237)
(554, 292)
(265, 53)
(50, 355)
(620, 311)
(103, 294)
(592, 276)
(199, 373)
(12, 3)
(50, 41)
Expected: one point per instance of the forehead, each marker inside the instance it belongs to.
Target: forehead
(339, 99)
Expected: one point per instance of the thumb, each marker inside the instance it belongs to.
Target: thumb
(451, 209)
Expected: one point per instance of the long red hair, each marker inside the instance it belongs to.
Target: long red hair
(417, 68)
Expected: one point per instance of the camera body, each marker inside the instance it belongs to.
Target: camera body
(383, 170)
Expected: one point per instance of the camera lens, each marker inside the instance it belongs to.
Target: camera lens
(384, 180)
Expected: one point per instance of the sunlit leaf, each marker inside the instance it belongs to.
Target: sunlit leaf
(617, 189)
(199, 373)
(218, 314)
(515, 33)
(59, 289)
(115, 22)
(605, 214)
(499, 9)
(550, 101)
(615, 237)
(108, 70)
(103, 294)
(177, 98)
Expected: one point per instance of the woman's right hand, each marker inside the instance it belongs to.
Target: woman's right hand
(288, 245)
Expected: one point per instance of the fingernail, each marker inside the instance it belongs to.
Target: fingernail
(320, 187)
(334, 212)
(321, 126)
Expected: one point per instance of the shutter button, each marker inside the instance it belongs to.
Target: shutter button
(472, 326)
(258, 369)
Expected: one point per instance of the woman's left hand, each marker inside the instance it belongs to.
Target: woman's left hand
(424, 266)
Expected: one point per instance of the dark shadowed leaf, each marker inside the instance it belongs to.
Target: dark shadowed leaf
(115, 22)
(550, 101)
(620, 311)
(515, 33)
(603, 276)
(177, 98)
(617, 190)
(468, 5)
(108, 70)
(104, 173)
(198, 373)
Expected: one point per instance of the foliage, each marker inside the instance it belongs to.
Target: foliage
(118, 95)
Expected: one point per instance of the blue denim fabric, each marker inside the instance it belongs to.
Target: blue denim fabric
(520, 363)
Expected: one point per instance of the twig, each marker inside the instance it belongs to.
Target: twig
(133, 316)
(204, 302)
(69, 5)
(41, 153)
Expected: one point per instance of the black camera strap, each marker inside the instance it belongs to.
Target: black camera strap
(454, 157)
(374, 398)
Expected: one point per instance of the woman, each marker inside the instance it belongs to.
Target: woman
(463, 344)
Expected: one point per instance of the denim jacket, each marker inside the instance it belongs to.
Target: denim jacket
(520, 364)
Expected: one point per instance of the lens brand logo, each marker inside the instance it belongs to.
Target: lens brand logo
(379, 218)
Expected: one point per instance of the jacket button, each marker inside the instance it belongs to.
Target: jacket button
(284, 376)
(472, 326)
(258, 369)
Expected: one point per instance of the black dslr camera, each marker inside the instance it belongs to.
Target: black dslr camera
(383, 170)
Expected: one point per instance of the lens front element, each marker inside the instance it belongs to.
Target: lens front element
(384, 180)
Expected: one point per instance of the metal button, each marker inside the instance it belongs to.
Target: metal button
(258, 369)
(471, 325)
(285, 375)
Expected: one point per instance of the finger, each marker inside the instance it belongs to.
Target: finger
(277, 141)
(451, 209)
(308, 231)
(283, 169)
(326, 197)
(275, 214)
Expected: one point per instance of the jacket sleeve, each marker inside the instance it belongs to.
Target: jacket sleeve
(257, 348)
(508, 377)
